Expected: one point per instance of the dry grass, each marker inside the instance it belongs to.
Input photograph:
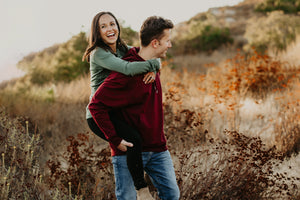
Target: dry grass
(23, 177)
(291, 54)
(20, 146)
(82, 170)
(255, 95)
(239, 167)
(74, 92)
(199, 62)
(231, 131)
(59, 110)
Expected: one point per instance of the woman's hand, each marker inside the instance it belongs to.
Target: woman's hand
(149, 77)
(123, 145)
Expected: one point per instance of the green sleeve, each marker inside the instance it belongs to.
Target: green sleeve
(109, 61)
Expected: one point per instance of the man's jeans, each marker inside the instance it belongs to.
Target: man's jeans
(158, 165)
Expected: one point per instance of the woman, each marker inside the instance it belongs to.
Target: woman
(104, 53)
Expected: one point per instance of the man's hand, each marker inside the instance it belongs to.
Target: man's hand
(149, 77)
(123, 145)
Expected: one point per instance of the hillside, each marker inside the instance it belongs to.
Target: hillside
(208, 37)
(231, 28)
(232, 127)
(233, 17)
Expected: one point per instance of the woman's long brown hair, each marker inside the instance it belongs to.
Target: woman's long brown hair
(95, 39)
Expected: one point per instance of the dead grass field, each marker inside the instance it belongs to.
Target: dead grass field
(233, 131)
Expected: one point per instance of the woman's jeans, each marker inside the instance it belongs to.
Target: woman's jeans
(158, 165)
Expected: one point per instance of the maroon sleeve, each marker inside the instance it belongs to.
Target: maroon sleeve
(113, 93)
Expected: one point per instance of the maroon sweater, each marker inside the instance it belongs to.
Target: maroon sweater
(140, 105)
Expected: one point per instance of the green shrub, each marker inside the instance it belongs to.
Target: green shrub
(128, 35)
(39, 76)
(68, 59)
(274, 31)
(209, 39)
(287, 6)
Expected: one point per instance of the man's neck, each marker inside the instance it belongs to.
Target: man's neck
(146, 53)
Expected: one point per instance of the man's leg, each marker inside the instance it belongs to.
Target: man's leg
(159, 167)
(125, 189)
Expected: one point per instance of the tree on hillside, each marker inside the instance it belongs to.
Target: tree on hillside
(128, 35)
(68, 59)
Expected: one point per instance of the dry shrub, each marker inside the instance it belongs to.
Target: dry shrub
(291, 54)
(81, 171)
(55, 121)
(57, 117)
(253, 76)
(239, 94)
(194, 106)
(237, 168)
(20, 171)
(183, 125)
(287, 128)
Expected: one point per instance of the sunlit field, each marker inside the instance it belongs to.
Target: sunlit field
(233, 133)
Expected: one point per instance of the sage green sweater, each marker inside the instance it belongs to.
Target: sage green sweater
(102, 62)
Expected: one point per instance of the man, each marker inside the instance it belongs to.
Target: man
(141, 106)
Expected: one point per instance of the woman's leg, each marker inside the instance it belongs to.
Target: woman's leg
(94, 127)
(134, 154)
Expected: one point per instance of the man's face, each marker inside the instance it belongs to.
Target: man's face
(164, 44)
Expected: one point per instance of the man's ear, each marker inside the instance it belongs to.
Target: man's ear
(155, 43)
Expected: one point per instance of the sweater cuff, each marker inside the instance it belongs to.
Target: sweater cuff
(115, 141)
(155, 64)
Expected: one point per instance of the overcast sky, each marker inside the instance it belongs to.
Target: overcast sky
(32, 25)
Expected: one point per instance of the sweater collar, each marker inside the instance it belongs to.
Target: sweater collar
(133, 53)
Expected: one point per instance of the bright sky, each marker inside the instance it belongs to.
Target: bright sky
(32, 25)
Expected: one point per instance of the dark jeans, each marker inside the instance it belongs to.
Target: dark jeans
(134, 154)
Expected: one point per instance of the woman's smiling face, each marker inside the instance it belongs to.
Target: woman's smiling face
(109, 30)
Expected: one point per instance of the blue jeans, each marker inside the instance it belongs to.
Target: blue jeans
(159, 167)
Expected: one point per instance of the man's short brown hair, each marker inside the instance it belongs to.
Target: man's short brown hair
(153, 28)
